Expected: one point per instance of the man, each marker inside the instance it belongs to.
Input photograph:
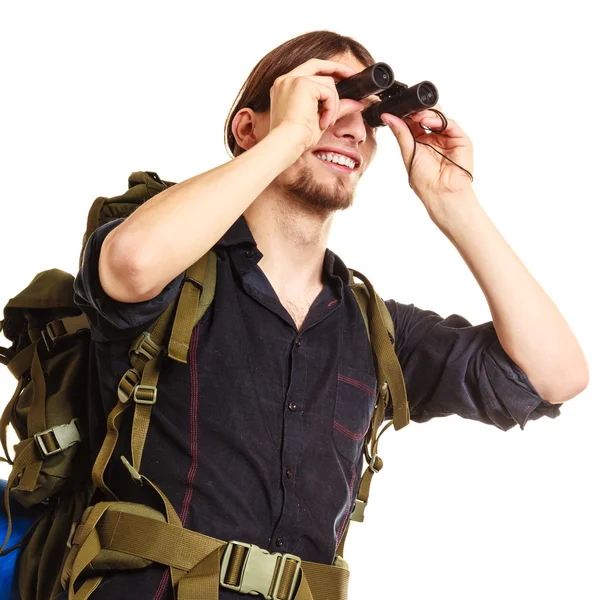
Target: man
(258, 438)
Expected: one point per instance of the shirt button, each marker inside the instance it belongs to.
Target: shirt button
(292, 406)
(279, 542)
(297, 342)
(249, 253)
(288, 473)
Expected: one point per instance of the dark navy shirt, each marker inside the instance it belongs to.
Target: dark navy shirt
(258, 438)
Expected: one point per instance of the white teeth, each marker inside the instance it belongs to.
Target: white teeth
(337, 159)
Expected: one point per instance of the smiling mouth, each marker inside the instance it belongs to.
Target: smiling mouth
(332, 165)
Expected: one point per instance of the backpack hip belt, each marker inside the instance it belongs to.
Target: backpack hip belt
(124, 535)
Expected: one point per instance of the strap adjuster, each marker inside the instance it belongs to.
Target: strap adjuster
(145, 346)
(375, 463)
(145, 399)
(58, 439)
(258, 570)
(49, 333)
(127, 384)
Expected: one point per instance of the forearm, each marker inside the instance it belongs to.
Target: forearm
(173, 229)
(530, 327)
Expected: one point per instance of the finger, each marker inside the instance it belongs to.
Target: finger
(401, 132)
(348, 106)
(453, 129)
(329, 101)
(316, 66)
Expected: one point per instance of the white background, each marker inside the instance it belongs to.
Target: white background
(91, 92)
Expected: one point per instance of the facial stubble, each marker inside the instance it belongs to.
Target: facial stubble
(320, 197)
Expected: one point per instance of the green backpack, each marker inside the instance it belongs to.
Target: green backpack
(52, 466)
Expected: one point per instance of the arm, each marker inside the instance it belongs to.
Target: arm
(175, 228)
(169, 232)
(530, 327)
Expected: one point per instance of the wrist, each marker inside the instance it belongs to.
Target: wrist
(294, 137)
(450, 210)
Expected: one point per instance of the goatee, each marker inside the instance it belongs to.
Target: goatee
(322, 198)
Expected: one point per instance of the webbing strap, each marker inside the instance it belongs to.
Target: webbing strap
(27, 455)
(140, 356)
(390, 379)
(388, 367)
(36, 418)
(21, 361)
(196, 295)
(198, 555)
(5, 421)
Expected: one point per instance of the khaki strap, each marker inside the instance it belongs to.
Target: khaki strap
(36, 418)
(196, 296)
(5, 421)
(63, 327)
(27, 455)
(87, 588)
(141, 353)
(21, 361)
(380, 328)
(145, 393)
(196, 554)
(388, 367)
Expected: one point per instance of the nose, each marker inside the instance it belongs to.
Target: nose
(351, 125)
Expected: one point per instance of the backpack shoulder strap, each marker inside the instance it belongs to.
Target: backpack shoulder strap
(380, 328)
(390, 382)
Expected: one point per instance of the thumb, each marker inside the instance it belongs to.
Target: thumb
(402, 133)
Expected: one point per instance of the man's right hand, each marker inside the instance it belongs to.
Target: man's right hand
(295, 98)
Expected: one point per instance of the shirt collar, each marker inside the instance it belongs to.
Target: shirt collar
(239, 233)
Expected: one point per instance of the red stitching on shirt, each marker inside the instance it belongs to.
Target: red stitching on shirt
(332, 302)
(193, 429)
(348, 433)
(193, 450)
(358, 384)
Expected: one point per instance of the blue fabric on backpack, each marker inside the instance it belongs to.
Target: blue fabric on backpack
(22, 518)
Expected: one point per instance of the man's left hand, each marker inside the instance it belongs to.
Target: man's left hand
(433, 177)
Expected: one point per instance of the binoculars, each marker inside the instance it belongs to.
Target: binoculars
(396, 98)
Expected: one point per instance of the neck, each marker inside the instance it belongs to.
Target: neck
(292, 240)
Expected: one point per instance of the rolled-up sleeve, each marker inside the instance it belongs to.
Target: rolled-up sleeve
(110, 319)
(452, 367)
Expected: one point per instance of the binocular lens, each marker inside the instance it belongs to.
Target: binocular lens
(381, 77)
(372, 80)
(427, 95)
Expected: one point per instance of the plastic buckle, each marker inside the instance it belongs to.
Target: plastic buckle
(49, 335)
(151, 388)
(258, 570)
(358, 512)
(372, 463)
(137, 478)
(127, 385)
(144, 338)
(65, 436)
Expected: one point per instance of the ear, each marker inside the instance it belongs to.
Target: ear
(244, 128)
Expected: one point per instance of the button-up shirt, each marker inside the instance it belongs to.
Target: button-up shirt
(259, 437)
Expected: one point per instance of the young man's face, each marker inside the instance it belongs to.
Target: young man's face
(322, 185)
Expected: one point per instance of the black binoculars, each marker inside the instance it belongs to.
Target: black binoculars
(396, 98)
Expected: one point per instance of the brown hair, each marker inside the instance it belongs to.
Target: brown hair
(256, 91)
